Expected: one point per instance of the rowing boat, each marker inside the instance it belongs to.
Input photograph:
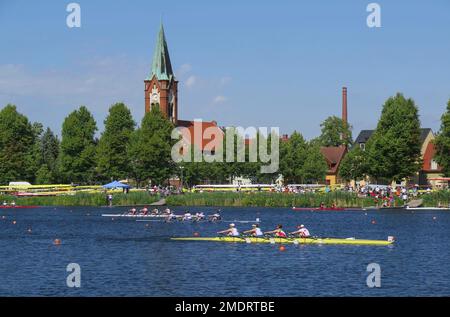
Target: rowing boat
(277, 240)
(318, 209)
(134, 216)
(427, 208)
(18, 207)
(257, 220)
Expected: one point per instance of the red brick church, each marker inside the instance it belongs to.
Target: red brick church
(161, 90)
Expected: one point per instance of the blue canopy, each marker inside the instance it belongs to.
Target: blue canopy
(116, 184)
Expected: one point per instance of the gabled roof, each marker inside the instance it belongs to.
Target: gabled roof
(365, 135)
(424, 133)
(195, 127)
(161, 66)
(333, 155)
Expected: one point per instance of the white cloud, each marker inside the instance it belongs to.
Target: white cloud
(94, 83)
(190, 82)
(225, 80)
(219, 99)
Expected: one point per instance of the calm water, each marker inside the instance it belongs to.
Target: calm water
(128, 258)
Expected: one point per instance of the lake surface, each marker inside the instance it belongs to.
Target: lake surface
(122, 257)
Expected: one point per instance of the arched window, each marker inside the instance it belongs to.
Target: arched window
(170, 111)
(154, 105)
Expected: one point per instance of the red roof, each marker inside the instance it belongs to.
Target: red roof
(202, 133)
(333, 155)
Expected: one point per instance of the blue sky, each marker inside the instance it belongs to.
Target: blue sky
(247, 63)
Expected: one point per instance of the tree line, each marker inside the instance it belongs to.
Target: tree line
(28, 153)
(124, 150)
(141, 153)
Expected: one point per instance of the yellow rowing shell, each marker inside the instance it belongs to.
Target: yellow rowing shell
(288, 240)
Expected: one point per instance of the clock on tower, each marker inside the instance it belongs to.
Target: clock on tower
(161, 87)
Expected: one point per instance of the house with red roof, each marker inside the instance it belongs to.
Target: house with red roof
(430, 173)
(333, 155)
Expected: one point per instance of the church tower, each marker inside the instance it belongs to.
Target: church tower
(161, 87)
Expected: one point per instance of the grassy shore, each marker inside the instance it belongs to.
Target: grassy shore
(433, 199)
(228, 199)
(262, 199)
(84, 199)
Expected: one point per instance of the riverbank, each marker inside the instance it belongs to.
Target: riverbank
(224, 199)
(84, 199)
(263, 199)
(437, 198)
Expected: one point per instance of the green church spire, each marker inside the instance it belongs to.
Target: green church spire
(161, 66)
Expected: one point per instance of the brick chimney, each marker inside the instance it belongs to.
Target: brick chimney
(344, 105)
(344, 110)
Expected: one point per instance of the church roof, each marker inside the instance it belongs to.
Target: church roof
(161, 66)
(200, 127)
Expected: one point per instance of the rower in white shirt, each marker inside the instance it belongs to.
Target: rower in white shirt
(302, 232)
(199, 216)
(255, 231)
(232, 231)
(187, 216)
(215, 217)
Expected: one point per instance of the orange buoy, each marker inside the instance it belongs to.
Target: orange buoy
(57, 242)
(196, 234)
(282, 248)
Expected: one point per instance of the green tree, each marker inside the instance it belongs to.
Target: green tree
(112, 158)
(44, 176)
(393, 151)
(17, 146)
(263, 143)
(442, 143)
(353, 165)
(192, 173)
(335, 132)
(48, 148)
(150, 149)
(78, 147)
(292, 158)
(315, 167)
(34, 157)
